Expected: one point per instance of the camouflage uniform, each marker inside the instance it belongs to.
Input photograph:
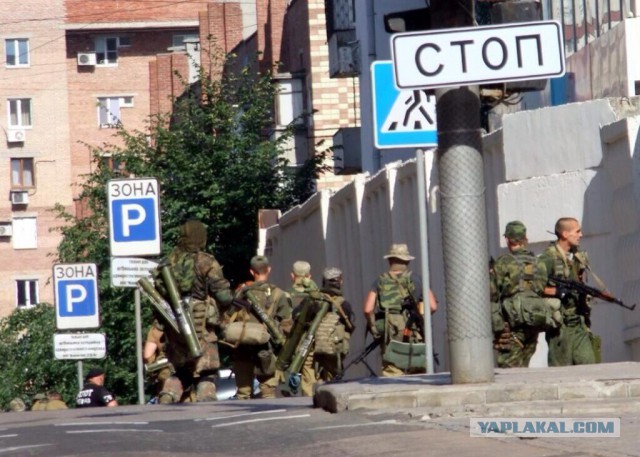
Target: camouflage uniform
(572, 343)
(337, 325)
(509, 278)
(200, 280)
(301, 289)
(259, 360)
(391, 290)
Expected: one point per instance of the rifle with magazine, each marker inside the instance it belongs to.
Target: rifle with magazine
(584, 289)
(360, 359)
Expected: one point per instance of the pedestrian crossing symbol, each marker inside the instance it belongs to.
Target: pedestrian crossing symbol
(402, 118)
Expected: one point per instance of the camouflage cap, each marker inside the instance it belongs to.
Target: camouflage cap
(515, 231)
(258, 261)
(399, 251)
(331, 273)
(39, 396)
(301, 268)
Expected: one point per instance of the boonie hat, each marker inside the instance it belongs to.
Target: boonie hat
(259, 261)
(331, 273)
(301, 268)
(516, 231)
(94, 373)
(399, 251)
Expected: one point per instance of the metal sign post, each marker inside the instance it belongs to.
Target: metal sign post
(424, 257)
(134, 228)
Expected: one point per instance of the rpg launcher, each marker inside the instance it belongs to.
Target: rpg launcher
(292, 379)
(588, 290)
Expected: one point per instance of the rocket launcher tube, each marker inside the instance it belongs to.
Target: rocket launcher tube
(159, 303)
(277, 338)
(291, 375)
(187, 329)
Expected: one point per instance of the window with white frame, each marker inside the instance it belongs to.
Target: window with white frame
(106, 50)
(25, 234)
(26, 293)
(289, 102)
(22, 175)
(16, 52)
(19, 110)
(108, 112)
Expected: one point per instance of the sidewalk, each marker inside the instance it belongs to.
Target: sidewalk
(583, 389)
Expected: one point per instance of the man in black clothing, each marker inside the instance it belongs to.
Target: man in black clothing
(93, 392)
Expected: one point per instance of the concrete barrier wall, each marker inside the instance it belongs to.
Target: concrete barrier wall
(580, 160)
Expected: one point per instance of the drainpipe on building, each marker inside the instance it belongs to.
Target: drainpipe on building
(464, 225)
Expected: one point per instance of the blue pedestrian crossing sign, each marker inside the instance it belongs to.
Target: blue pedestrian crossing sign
(401, 118)
(134, 217)
(76, 296)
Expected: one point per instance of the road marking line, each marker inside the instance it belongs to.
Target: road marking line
(229, 424)
(328, 427)
(76, 424)
(17, 448)
(71, 432)
(241, 415)
(8, 436)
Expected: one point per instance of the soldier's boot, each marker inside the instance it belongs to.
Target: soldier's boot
(206, 389)
(171, 392)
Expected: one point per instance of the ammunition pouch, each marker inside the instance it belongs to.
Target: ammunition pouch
(331, 336)
(248, 333)
(406, 356)
(497, 319)
(266, 365)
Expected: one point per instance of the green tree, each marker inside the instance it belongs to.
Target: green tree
(215, 161)
(26, 357)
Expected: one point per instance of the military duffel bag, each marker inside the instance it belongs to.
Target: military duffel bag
(250, 333)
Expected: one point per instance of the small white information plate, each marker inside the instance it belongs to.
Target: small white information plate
(126, 271)
(78, 346)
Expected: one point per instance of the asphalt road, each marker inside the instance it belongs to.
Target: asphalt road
(282, 427)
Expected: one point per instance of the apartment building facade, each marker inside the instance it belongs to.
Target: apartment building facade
(75, 69)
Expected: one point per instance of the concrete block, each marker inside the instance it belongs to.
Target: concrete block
(539, 202)
(522, 392)
(594, 389)
(535, 142)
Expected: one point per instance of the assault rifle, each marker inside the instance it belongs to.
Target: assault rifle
(360, 359)
(410, 306)
(588, 290)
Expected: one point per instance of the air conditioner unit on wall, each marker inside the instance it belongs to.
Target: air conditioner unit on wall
(86, 58)
(19, 197)
(6, 229)
(15, 135)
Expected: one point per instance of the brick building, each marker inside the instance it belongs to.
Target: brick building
(73, 69)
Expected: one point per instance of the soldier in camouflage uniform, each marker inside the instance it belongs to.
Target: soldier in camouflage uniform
(382, 307)
(335, 329)
(299, 290)
(259, 360)
(202, 285)
(515, 274)
(573, 343)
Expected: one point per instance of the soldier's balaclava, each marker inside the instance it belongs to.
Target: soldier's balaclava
(193, 236)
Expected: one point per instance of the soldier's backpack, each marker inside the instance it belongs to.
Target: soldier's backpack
(521, 305)
(331, 338)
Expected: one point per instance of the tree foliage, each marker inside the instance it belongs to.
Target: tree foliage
(215, 159)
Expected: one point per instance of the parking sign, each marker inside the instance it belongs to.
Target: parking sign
(76, 296)
(134, 219)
